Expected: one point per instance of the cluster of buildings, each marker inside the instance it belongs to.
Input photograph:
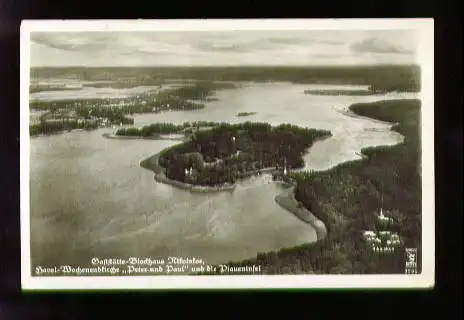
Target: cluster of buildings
(384, 241)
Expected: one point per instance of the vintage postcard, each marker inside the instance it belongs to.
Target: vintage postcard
(202, 154)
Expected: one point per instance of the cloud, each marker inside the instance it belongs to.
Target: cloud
(217, 48)
(177, 42)
(254, 43)
(377, 45)
(296, 41)
(72, 41)
(232, 45)
(50, 43)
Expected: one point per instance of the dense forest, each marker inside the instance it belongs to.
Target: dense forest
(397, 78)
(196, 91)
(347, 198)
(229, 151)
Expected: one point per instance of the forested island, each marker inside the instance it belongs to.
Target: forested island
(228, 152)
(347, 199)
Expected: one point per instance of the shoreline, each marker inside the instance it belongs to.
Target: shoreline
(160, 177)
(286, 200)
(356, 93)
(347, 112)
(152, 163)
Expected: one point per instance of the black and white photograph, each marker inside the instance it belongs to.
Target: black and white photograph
(227, 154)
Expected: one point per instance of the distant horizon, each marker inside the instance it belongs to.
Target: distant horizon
(232, 66)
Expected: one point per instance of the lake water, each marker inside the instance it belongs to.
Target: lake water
(90, 197)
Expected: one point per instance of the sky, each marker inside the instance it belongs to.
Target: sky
(225, 48)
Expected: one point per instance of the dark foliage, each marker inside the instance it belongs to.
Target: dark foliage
(381, 78)
(58, 126)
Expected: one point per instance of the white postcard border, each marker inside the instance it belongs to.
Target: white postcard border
(426, 279)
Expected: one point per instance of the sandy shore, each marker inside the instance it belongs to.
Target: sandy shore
(287, 201)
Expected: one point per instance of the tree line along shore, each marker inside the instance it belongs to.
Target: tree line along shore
(347, 199)
(386, 77)
(156, 129)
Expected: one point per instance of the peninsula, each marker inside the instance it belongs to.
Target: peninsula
(96, 113)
